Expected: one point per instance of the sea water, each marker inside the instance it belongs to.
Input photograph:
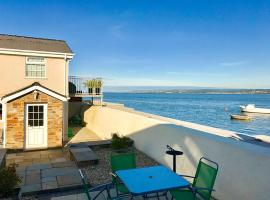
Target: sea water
(206, 109)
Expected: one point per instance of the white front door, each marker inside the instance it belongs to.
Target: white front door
(36, 126)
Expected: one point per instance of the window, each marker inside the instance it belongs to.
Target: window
(35, 67)
(1, 111)
(35, 116)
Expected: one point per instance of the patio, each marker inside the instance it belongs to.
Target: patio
(44, 170)
(55, 171)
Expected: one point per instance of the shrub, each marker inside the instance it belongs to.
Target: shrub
(70, 133)
(119, 143)
(75, 120)
(8, 180)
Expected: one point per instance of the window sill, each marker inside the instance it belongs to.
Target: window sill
(44, 78)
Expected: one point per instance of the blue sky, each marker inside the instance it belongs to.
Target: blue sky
(216, 43)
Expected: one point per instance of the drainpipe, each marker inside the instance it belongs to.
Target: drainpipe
(64, 104)
(65, 80)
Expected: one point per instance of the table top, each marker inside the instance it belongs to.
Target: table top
(151, 179)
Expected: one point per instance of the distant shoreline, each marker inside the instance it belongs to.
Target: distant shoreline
(206, 91)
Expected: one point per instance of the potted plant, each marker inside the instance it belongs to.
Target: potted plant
(90, 84)
(121, 144)
(98, 86)
(9, 180)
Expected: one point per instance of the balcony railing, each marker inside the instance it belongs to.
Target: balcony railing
(78, 88)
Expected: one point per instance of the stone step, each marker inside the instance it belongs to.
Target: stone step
(83, 156)
(3, 153)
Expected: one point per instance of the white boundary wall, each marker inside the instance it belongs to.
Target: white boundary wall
(244, 168)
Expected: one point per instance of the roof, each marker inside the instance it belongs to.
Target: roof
(33, 44)
(30, 88)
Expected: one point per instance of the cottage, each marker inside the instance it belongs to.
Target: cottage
(33, 92)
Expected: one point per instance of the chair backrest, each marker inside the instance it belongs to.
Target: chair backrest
(205, 177)
(123, 161)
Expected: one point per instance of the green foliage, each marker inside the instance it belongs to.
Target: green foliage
(94, 83)
(70, 133)
(8, 180)
(76, 120)
(119, 143)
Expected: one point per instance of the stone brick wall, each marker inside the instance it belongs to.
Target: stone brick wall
(15, 130)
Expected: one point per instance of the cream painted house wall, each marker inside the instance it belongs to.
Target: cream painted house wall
(243, 167)
(12, 74)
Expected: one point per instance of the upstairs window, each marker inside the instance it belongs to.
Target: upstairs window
(35, 67)
(1, 111)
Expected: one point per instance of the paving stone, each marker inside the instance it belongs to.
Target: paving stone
(21, 173)
(15, 157)
(45, 152)
(64, 164)
(39, 166)
(20, 169)
(11, 155)
(84, 156)
(32, 179)
(59, 171)
(81, 196)
(49, 185)
(44, 156)
(18, 160)
(25, 164)
(30, 188)
(58, 160)
(69, 180)
(34, 171)
(41, 160)
(27, 159)
(48, 179)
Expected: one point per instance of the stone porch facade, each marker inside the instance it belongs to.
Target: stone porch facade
(15, 122)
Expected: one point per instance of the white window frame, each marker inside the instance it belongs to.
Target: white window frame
(37, 63)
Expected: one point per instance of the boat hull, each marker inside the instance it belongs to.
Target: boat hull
(241, 117)
(255, 110)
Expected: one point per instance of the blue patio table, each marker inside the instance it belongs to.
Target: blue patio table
(148, 180)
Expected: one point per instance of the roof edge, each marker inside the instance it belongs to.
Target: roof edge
(30, 37)
(25, 52)
(30, 88)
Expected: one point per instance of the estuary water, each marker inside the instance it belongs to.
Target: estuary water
(206, 109)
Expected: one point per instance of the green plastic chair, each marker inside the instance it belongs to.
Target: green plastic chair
(121, 162)
(203, 182)
(100, 188)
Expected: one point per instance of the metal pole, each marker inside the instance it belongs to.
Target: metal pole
(174, 163)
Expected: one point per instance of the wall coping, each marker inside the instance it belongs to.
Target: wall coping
(259, 140)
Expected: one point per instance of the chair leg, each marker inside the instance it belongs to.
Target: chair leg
(166, 196)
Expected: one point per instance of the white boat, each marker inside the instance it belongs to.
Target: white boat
(251, 108)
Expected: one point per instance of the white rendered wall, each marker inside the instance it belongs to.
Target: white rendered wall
(244, 168)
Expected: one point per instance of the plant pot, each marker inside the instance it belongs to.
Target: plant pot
(90, 90)
(123, 150)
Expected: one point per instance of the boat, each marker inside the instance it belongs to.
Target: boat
(240, 117)
(251, 108)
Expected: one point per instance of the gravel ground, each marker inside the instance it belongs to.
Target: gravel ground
(100, 173)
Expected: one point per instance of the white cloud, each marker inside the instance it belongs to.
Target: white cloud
(234, 63)
(143, 82)
(194, 74)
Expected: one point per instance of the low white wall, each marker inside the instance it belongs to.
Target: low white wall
(243, 168)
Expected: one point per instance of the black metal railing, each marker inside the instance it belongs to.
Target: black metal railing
(77, 86)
